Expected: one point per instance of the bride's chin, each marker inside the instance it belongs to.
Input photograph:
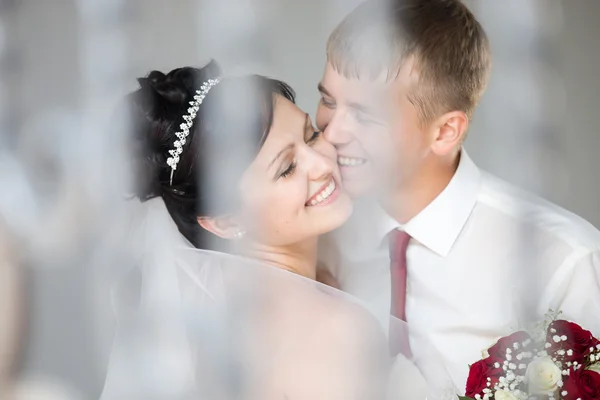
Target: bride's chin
(333, 216)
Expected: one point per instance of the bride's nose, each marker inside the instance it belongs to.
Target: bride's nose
(319, 166)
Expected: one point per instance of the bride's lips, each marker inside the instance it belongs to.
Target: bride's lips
(325, 195)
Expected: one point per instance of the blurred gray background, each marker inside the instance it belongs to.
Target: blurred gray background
(537, 124)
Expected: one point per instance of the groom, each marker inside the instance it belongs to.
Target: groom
(459, 254)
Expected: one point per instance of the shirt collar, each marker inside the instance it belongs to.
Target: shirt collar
(438, 225)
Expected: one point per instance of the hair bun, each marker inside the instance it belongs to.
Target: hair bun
(156, 112)
(179, 84)
(169, 87)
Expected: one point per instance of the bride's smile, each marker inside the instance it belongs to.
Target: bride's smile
(327, 194)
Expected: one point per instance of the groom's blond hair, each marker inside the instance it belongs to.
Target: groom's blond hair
(447, 45)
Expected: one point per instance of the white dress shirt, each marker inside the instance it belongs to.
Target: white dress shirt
(486, 258)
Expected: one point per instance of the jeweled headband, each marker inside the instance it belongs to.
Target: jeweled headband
(185, 127)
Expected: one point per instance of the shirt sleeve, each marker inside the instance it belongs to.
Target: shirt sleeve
(577, 293)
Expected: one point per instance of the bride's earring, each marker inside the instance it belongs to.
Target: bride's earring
(239, 234)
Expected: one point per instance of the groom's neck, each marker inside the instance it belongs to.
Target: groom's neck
(299, 258)
(415, 194)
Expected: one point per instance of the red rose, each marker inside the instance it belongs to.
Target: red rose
(582, 384)
(498, 351)
(478, 377)
(578, 340)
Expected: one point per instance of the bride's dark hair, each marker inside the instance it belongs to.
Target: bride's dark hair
(229, 129)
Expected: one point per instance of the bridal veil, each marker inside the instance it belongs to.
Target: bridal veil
(196, 324)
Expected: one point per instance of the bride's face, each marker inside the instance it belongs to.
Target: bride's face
(292, 190)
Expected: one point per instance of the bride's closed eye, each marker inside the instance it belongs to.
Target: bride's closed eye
(292, 167)
(289, 170)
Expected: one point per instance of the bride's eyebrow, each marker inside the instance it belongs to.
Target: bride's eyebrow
(307, 123)
(307, 126)
(284, 150)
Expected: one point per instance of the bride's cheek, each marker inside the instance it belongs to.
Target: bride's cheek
(326, 149)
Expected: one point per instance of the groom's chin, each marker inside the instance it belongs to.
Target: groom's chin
(356, 187)
(357, 181)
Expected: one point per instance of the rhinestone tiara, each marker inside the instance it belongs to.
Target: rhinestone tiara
(185, 127)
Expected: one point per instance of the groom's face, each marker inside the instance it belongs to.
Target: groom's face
(375, 130)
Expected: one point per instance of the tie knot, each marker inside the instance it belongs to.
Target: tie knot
(398, 244)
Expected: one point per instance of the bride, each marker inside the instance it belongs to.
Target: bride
(233, 165)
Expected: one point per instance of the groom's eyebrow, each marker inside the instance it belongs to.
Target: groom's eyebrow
(322, 89)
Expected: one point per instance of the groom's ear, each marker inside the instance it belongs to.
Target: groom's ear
(223, 226)
(449, 132)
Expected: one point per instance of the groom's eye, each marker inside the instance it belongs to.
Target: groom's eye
(313, 138)
(327, 103)
(364, 119)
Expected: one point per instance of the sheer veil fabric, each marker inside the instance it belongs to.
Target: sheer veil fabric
(195, 324)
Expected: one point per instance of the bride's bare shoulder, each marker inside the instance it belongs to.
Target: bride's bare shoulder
(345, 353)
(353, 322)
(339, 324)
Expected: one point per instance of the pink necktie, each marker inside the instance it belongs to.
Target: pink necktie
(398, 246)
(398, 335)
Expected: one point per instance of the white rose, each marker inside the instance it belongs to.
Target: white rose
(484, 354)
(543, 376)
(503, 395)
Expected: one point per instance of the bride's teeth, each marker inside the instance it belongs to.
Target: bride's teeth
(325, 193)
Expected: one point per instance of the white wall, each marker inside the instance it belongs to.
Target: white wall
(581, 59)
(554, 153)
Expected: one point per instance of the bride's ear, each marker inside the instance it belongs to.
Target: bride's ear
(223, 226)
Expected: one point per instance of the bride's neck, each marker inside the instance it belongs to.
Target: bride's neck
(299, 258)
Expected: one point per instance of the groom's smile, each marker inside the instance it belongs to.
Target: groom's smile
(350, 161)
(353, 168)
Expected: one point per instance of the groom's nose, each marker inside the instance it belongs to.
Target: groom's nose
(337, 131)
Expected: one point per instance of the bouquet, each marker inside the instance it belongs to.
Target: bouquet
(561, 363)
